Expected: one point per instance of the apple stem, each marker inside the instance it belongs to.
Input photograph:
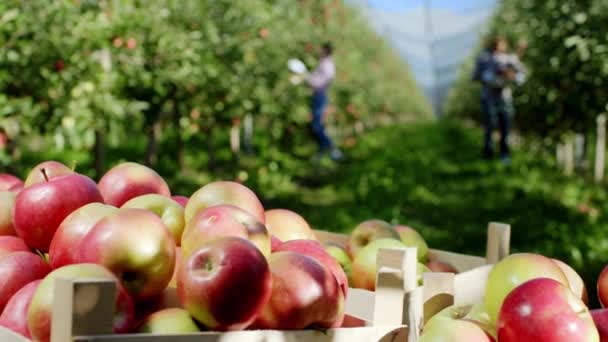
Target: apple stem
(46, 177)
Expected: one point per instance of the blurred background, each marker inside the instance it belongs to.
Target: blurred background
(200, 91)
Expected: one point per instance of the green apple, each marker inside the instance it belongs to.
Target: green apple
(171, 212)
(452, 325)
(368, 231)
(411, 238)
(169, 321)
(342, 258)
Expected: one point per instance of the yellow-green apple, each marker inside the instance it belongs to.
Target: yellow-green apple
(545, 309)
(7, 203)
(39, 314)
(600, 318)
(315, 250)
(10, 244)
(514, 270)
(129, 180)
(171, 212)
(9, 182)
(304, 293)
(46, 170)
(169, 321)
(224, 284)
(577, 285)
(440, 266)
(72, 230)
(14, 316)
(411, 238)
(287, 225)
(365, 262)
(342, 258)
(222, 221)
(18, 269)
(40, 208)
(368, 231)
(452, 325)
(225, 192)
(136, 246)
(182, 200)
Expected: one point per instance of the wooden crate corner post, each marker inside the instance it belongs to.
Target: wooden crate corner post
(498, 243)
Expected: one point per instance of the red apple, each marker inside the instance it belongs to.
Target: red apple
(411, 238)
(169, 321)
(577, 285)
(287, 225)
(304, 293)
(136, 246)
(602, 287)
(223, 192)
(9, 182)
(182, 200)
(368, 231)
(316, 251)
(40, 208)
(225, 283)
(14, 316)
(600, 318)
(544, 309)
(11, 244)
(514, 270)
(72, 230)
(171, 212)
(18, 269)
(7, 203)
(223, 221)
(39, 315)
(129, 180)
(46, 170)
(440, 266)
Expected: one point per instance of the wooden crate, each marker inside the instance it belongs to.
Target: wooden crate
(83, 311)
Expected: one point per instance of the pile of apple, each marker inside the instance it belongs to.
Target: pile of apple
(233, 264)
(528, 297)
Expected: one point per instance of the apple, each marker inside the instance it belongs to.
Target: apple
(171, 212)
(600, 318)
(225, 192)
(223, 221)
(514, 270)
(452, 324)
(18, 269)
(544, 309)
(602, 287)
(39, 315)
(40, 208)
(182, 200)
(10, 244)
(304, 294)
(225, 283)
(136, 246)
(315, 250)
(7, 203)
(577, 285)
(440, 266)
(287, 225)
(72, 230)
(129, 180)
(411, 238)
(368, 231)
(9, 182)
(365, 263)
(274, 243)
(169, 321)
(46, 170)
(178, 260)
(342, 258)
(14, 316)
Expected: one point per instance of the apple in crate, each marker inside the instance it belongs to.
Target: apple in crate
(46, 170)
(9, 182)
(40, 208)
(225, 192)
(368, 231)
(222, 221)
(7, 203)
(40, 312)
(600, 318)
(287, 225)
(10, 244)
(411, 238)
(602, 287)
(72, 230)
(136, 246)
(544, 309)
(577, 285)
(513, 271)
(342, 258)
(182, 200)
(453, 324)
(440, 266)
(18, 269)
(171, 212)
(225, 283)
(169, 321)
(129, 180)
(304, 293)
(14, 316)
(316, 251)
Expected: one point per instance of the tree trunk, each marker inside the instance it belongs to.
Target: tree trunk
(100, 153)
(151, 150)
